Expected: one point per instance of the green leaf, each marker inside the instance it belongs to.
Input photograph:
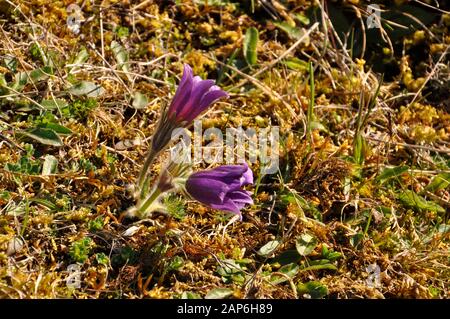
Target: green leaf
(313, 288)
(356, 239)
(102, 259)
(41, 74)
(439, 182)
(10, 63)
(229, 267)
(334, 255)
(359, 149)
(219, 293)
(81, 57)
(121, 56)
(268, 248)
(86, 88)
(51, 104)
(44, 202)
(50, 165)
(287, 257)
(176, 263)
(388, 173)
(44, 136)
(56, 128)
(417, 202)
(3, 85)
(444, 228)
(3, 82)
(326, 266)
(305, 244)
(302, 18)
(122, 31)
(140, 101)
(190, 295)
(292, 32)
(293, 198)
(20, 80)
(319, 126)
(79, 250)
(289, 270)
(330, 254)
(250, 45)
(296, 64)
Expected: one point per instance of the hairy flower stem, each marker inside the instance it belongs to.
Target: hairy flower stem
(150, 199)
(143, 180)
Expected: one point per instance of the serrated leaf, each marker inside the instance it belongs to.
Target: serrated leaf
(417, 202)
(305, 244)
(51, 104)
(439, 182)
(250, 44)
(50, 165)
(44, 136)
(140, 101)
(219, 293)
(268, 248)
(388, 173)
(86, 88)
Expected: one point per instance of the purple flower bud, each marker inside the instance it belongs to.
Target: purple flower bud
(221, 187)
(192, 97)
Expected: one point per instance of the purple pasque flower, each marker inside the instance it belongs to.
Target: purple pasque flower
(193, 96)
(221, 187)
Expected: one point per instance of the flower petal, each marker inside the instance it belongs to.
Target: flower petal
(211, 96)
(191, 109)
(247, 176)
(183, 92)
(206, 191)
(228, 205)
(220, 188)
(240, 196)
(207, 98)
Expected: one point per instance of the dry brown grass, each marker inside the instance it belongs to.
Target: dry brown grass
(328, 186)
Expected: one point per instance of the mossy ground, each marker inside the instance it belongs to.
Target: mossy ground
(364, 170)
